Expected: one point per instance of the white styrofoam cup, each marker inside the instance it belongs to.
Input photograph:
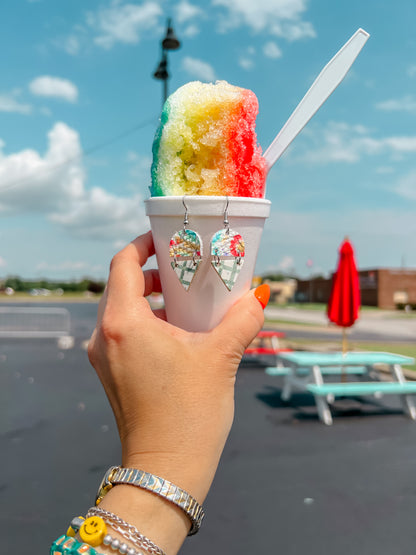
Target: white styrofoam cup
(204, 304)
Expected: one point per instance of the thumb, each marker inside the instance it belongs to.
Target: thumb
(244, 320)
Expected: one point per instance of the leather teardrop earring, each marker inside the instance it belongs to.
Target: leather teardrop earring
(185, 248)
(227, 253)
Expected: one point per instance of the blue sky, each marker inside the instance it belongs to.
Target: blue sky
(79, 107)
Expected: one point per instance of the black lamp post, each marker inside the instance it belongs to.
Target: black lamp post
(170, 42)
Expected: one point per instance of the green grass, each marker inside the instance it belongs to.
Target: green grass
(408, 350)
(302, 306)
(405, 349)
(322, 307)
(293, 323)
(66, 297)
(402, 314)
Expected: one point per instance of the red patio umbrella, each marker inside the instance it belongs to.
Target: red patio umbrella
(344, 301)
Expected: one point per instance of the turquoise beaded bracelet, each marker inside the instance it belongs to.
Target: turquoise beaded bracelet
(70, 546)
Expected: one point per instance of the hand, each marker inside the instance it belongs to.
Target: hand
(172, 391)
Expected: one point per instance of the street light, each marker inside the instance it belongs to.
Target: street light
(170, 42)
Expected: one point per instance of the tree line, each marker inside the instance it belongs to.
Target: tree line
(22, 285)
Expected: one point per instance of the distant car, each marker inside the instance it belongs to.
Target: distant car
(39, 292)
(263, 349)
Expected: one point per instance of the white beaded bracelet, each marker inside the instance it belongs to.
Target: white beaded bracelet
(122, 547)
(128, 531)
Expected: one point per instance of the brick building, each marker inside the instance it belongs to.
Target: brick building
(382, 287)
(282, 292)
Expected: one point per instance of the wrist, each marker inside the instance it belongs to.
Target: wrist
(156, 518)
(193, 474)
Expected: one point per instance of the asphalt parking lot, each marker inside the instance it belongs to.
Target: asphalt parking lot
(286, 483)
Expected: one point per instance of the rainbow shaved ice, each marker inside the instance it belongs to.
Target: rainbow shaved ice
(206, 143)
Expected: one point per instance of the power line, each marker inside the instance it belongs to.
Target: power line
(112, 140)
(87, 152)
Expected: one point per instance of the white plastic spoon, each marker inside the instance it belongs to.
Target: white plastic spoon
(326, 82)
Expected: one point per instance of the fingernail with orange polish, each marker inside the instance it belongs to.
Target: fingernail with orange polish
(262, 294)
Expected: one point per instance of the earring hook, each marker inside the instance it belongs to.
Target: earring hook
(226, 222)
(185, 218)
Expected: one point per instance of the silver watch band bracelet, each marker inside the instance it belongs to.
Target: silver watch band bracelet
(159, 486)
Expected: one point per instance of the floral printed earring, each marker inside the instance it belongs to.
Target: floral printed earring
(185, 248)
(227, 253)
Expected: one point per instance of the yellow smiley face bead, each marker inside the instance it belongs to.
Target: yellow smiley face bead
(93, 530)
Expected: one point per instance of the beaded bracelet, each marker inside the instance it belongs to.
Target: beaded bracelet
(128, 531)
(93, 531)
(68, 545)
(122, 547)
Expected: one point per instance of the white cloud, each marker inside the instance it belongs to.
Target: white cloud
(281, 18)
(406, 186)
(54, 185)
(247, 58)
(123, 23)
(140, 166)
(54, 87)
(245, 62)
(190, 31)
(293, 31)
(71, 45)
(10, 103)
(73, 42)
(30, 182)
(271, 50)
(405, 104)
(45, 111)
(400, 144)
(343, 142)
(132, 156)
(411, 70)
(104, 216)
(198, 69)
(186, 11)
(286, 263)
(383, 170)
(3, 263)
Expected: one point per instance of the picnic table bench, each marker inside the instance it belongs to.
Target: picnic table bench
(263, 349)
(305, 371)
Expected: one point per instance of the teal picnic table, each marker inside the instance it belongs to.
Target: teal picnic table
(305, 371)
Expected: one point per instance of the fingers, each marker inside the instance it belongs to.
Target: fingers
(243, 321)
(152, 282)
(101, 305)
(126, 280)
(144, 247)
